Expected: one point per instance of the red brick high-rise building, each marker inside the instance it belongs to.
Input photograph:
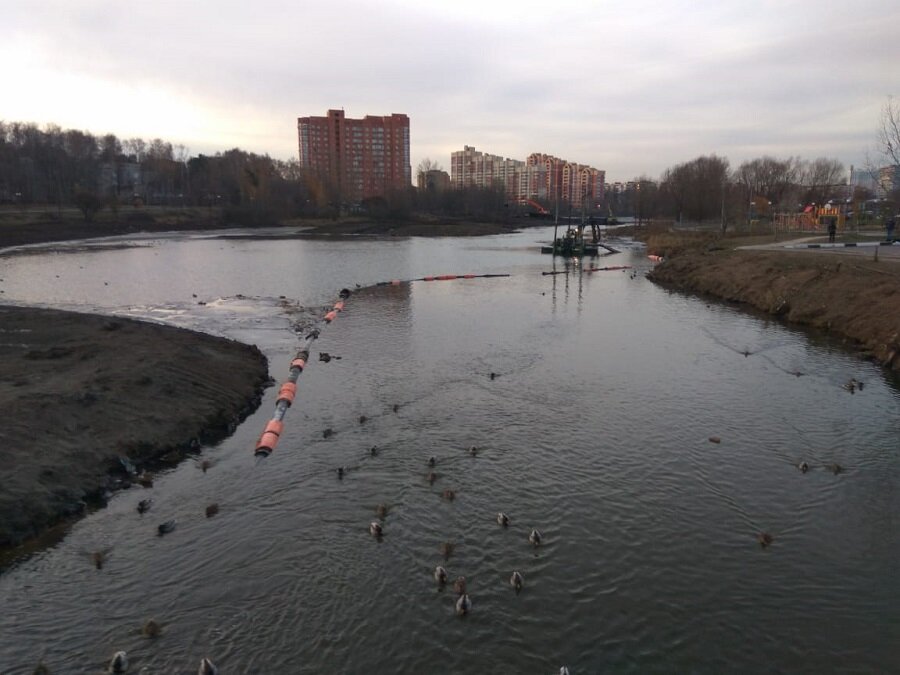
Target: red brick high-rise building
(356, 158)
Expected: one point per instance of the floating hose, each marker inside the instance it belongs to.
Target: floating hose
(288, 391)
(268, 441)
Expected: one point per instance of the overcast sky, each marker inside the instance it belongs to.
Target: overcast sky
(629, 87)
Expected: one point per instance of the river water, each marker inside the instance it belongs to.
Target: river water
(595, 430)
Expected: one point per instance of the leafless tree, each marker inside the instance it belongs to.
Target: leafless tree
(819, 177)
(768, 177)
(889, 132)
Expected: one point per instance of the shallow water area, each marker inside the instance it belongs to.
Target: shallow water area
(594, 429)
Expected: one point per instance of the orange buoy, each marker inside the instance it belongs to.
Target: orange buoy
(655, 258)
(269, 439)
(445, 277)
(468, 276)
(298, 363)
(428, 278)
(330, 316)
(286, 393)
(339, 305)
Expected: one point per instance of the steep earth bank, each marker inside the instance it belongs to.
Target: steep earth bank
(854, 299)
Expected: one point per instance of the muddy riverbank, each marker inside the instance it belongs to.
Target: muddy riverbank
(856, 300)
(81, 392)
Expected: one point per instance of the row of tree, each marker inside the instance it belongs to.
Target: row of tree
(65, 167)
(57, 166)
(706, 189)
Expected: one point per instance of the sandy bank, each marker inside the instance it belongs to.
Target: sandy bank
(854, 299)
(78, 391)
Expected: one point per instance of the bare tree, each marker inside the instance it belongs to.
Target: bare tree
(768, 177)
(819, 177)
(889, 132)
(424, 167)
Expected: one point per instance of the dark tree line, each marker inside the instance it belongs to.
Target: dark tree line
(707, 189)
(71, 167)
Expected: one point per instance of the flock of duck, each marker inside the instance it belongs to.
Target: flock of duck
(151, 629)
(463, 603)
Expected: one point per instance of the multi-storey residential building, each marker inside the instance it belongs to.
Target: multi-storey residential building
(540, 177)
(472, 168)
(356, 158)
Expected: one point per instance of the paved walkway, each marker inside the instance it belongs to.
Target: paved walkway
(890, 251)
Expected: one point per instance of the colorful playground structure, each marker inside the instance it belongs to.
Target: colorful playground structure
(811, 219)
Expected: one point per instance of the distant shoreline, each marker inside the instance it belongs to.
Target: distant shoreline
(44, 225)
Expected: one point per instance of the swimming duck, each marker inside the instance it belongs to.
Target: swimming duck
(431, 476)
(363, 419)
(473, 450)
(503, 519)
(446, 549)
(328, 433)
(463, 605)
(459, 586)
(166, 527)
(396, 407)
(40, 669)
(207, 668)
(119, 662)
(373, 450)
(765, 539)
(440, 575)
(535, 537)
(448, 494)
(98, 558)
(494, 376)
(803, 466)
(205, 465)
(516, 581)
(151, 629)
(431, 461)
(381, 510)
(375, 529)
(834, 468)
(212, 510)
(340, 472)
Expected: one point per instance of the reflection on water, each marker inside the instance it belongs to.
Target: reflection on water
(595, 430)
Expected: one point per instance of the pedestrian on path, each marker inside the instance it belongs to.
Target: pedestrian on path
(832, 229)
(890, 225)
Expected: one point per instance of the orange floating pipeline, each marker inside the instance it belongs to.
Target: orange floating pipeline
(468, 276)
(445, 277)
(655, 258)
(269, 439)
(287, 393)
(299, 363)
(330, 316)
(339, 306)
(428, 278)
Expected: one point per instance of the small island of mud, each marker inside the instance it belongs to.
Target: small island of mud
(79, 392)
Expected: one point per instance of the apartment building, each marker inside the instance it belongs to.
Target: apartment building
(356, 158)
(540, 177)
